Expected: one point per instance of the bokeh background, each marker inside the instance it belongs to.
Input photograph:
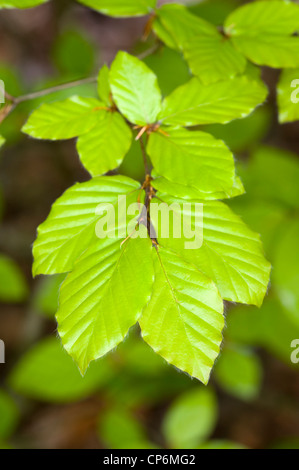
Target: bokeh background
(132, 398)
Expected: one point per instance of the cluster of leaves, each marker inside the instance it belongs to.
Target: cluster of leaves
(186, 284)
(175, 294)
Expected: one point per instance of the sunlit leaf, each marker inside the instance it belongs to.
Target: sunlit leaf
(70, 226)
(64, 119)
(186, 327)
(230, 254)
(121, 8)
(104, 147)
(135, 89)
(194, 159)
(263, 30)
(115, 283)
(193, 103)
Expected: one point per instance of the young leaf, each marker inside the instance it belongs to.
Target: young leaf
(135, 89)
(210, 56)
(70, 227)
(105, 146)
(194, 104)
(288, 95)
(193, 159)
(231, 254)
(191, 418)
(21, 3)
(263, 30)
(64, 119)
(104, 90)
(183, 320)
(115, 283)
(121, 8)
(47, 373)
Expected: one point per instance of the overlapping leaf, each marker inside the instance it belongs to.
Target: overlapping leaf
(135, 89)
(186, 192)
(104, 147)
(231, 254)
(104, 296)
(210, 55)
(70, 227)
(193, 104)
(183, 320)
(64, 119)
(121, 8)
(193, 159)
(263, 31)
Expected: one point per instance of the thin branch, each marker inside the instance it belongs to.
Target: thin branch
(146, 165)
(54, 89)
(64, 86)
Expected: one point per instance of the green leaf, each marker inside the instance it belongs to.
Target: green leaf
(272, 174)
(239, 372)
(115, 283)
(285, 274)
(119, 428)
(210, 56)
(135, 89)
(121, 8)
(9, 415)
(70, 227)
(193, 103)
(194, 159)
(262, 32)
(64, 119)
(170, 68)
(191, 418)
(186, 192)
(13, 285)
(45, 300)
(104, 147)
(104, 90)
(184, 319)
(231, 254)
(69, 64)
(21, 3)
(2, 141)
(47, 373)
(287, 95)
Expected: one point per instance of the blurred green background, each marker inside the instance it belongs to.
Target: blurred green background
(132, 398)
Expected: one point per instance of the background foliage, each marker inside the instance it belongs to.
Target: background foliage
(44, 402)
